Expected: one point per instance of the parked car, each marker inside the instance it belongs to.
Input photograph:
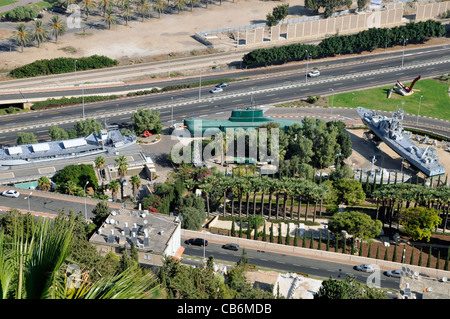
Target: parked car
(197, 242)
(222, 85)
(234, 247)
(314, 73)
(394, 273)
(216, 90)
(366, 268)
(11, 193)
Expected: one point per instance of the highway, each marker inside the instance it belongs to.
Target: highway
(264, 90)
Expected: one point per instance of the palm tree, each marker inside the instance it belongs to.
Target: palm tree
(44, 183)
(122, 165)
(39, 34)
(160, 6)
(58, 28)
(36, 263)
(114, 186)
(135, 181)
(110, 18)
(99, 162)
(143, 8)
(180, 4)
(127, 11)
(104, 6)
(87, 6)
(264, 188)
(21, 36)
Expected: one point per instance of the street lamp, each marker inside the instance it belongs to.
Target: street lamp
(168, 60)
(28, 198)
(403, 55)
(332, 100)
(418, 112)
(307, 60)
(172, 108)
(85, 210)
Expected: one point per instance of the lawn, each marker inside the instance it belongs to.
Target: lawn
(435, 100)
(6, 2)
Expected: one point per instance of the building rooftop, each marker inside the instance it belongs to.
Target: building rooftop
(148, 231)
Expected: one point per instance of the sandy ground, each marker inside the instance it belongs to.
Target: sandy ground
(171, 33)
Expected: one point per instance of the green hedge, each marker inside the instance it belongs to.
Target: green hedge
(344, 44)
(62, 65)
(72, 100)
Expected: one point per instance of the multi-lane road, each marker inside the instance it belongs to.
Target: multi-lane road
(264, 88)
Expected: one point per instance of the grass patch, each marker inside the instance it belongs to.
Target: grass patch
(6, 2)
(435, 101)
(43, 4)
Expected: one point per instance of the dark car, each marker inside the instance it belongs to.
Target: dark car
(197, 242)
(234, 247)
(222, 85)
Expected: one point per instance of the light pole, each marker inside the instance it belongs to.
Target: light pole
(403, 55)
(172, 108)
(332, 100)
(418, 112)
(28, 198)
(307, 60)
(168, 60)
(200, 87)
(82, 93)
(85, 210)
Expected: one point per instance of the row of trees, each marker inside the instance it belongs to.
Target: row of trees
(367, 40)
(38, 32)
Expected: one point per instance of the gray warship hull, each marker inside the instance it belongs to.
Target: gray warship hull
(390, 131)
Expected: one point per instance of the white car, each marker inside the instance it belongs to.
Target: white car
(314, 73)
(11, 193)
(366, 268)
(394, 273)
(216, 90)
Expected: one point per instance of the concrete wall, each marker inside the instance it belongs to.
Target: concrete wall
(431, 10)
(310, 253)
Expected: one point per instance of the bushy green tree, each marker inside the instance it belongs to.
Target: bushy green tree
(419, 222)
(25, 138)
(87, 126)
(193, 218)
(57, 134)
(146, 120)
(355, 223)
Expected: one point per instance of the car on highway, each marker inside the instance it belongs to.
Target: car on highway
(394, 273)
(365, 268)
(216, 90)
(197, 242)
(314, 73)
(234, 247)
(222, 85)
(11, 193)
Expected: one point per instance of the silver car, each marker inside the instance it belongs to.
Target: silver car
(366, 268)
(314, 73)
(11, 193)
(394, 273)
(216, 90)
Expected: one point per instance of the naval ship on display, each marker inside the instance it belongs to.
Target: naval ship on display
(390, 131)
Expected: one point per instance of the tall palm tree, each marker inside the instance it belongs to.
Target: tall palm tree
(180, 4)
(39, 33)
(21, 36)
(58, 28)
(122, 165)
(135, 181)
(104, 6)
(87, 6)
(99, 162)
(44, 183)
(144, 8)
(160, 6)
(127, 11)
(114, 186)
(109, 18)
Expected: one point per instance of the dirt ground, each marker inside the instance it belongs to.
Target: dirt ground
(171, 33)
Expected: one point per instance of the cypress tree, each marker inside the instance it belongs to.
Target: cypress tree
(328, 241)
(370, 250)
(420, 257)
(288, 236)
(336, 244)
(386, 253)
(344, 247)
(438, 259)
(249, 232)
(264, 236)
(296, 238)
(394, 257)
(411, 261)
(311, 243)
(304, 239)
(377, 255)
(429, 258)
(233, 228)
(279, 234)
(240, 228)
(271, 233)
(447, 259)
(319, 245)
(360, 248)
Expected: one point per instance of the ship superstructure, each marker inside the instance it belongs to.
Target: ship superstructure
(390, 131)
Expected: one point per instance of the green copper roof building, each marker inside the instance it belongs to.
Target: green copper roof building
(250, 117)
